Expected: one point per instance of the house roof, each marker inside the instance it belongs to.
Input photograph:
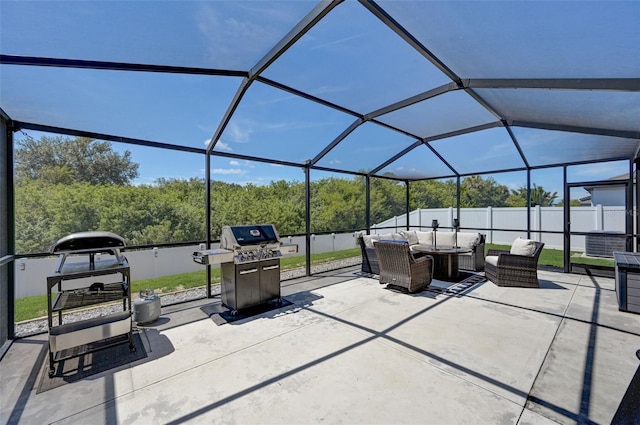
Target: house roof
(409, 89)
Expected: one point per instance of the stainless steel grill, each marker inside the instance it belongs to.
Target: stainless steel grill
(251, 243)
(249, 258)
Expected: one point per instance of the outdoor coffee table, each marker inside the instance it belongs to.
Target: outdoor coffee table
(445, 260)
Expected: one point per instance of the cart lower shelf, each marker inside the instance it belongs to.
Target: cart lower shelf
(70, 335)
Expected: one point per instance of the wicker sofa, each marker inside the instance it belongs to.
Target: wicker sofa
(473, 261)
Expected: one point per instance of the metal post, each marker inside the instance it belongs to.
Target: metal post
(207, 202)
(407, 198)
(368, 203)
(458, 197)
(307, 218)
(634, 207)
(8, 190)
(528, 203)
(628, 222)
(567, 223)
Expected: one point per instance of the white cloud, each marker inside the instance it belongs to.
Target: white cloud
(223, 146)
(234, 163)
(239, 132)
(227, 171)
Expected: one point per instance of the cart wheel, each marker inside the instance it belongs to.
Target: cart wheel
(279, 301)
(51, 373)
(132, 348)
(234, 312)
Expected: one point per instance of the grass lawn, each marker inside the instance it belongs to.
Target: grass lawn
(33, 307)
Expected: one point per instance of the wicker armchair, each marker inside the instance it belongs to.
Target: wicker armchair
(398, 266)
(506, 269)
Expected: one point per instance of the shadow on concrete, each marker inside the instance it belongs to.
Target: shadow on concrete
(629, 409)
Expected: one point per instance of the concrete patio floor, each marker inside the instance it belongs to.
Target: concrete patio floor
(349, 351)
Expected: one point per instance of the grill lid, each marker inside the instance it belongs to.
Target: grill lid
(88, 241)
(259, 234)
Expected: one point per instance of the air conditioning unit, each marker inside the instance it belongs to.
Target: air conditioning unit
(604, 243)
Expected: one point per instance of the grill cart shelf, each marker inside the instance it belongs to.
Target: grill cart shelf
(67, 339)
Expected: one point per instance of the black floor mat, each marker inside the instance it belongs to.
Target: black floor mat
(221, 315)
(468, 280)
(85, 365)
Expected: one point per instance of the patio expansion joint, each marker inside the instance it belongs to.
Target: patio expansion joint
(546, 355)
(563, 318)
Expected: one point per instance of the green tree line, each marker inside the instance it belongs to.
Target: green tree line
(71, 185)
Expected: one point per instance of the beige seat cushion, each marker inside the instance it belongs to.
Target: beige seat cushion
(399, 237)
(492, 259)
(468, 240)
(424, 238)
(523, 247)
(445, 239)
(410, 236)
(370, 239)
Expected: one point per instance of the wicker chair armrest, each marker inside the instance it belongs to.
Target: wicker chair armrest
(519, 261)
(496, 252)
(421, 259)
(425, 261)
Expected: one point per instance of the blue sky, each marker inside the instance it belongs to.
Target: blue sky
(350, 58)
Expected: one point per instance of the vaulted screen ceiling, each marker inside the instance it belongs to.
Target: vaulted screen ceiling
(409, 89)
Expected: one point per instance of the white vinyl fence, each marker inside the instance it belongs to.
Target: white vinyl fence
(583, 219)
